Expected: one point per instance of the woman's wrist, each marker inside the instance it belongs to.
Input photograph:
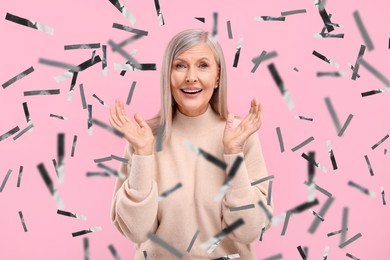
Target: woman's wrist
(232, 150)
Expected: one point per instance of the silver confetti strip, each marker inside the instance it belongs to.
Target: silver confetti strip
(324, 58)
(270, 18)
(159, 14)
(304, 118)
(104, 61)
(262, 180)
(274, 257)
(56, 168)
(83, 66)
(145, 255)
(322, 190)
(258, 61)
(42, 92)
(331, 155)
(322, 74)
(352, 68)
(86, 248)
(349, 241)
(229, 29)
(30, 126)
(333, 114)
(280, 138)
(19, 176)
(342, 130)
(296, 69)
(113, 252)
(82, 95)
(49, 184)
(159, 142)
(107, 127)
(300, 11)
(93, 56)
(328, 35)
(336, 232)
(380, 142)
(129, 29)
(375, 72)
(281, 86)
(130, 95)
(268, 55)
(90, 124)
(344, 225)
(358, 61)
(193, 240)
(22, 220)
(72, 84)
(61, 157)
(306, 205)
(383, 196)
(226, 184)
(362, 189)
(238, 51)
(164, 245)
(59, 117)
(299, 146)
(82, 46)
(104, 159)
(86, 231)
(26, 113)
(99, 100)
(111, 171)
(248, 206)
(269, 195)
(322, 213)
(385, 151)
(73, 145)
(117, 48)
(169, 191)
(266, 211)
(126, 13)
(317, 164)
(232, 256)
(316, 215)
(5, 180)
(326, 252)
(262, 232)
(98, 174)
(9, 133)
(18, 77)
(29, 23)
(70, 214)
(201, 19)
(369, 165)
(211, 158)
(120, 159)
(214, 32)
(375, 91)
(363, 31)
(351, 256)
(324, 15)
(302, 253)
(128, 41)
(285, 225)
(58, 64)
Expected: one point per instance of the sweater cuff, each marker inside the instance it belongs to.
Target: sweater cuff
(241, 178)
(141, 173)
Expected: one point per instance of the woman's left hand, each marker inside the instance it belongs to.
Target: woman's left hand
(235, 138)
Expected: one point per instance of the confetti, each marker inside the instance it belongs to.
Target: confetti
(300, 11)
(280, 138)
(55, 167)
(105, 159)
(349, 241)
(72, 84)
(30, 126)
(169, 191)
(326, 252)
(131, 92)
(86, 231)
(266, 211)
(214, 32)
(275, 257)
(82, 46)
(59, 117)
(345, 125)
(98, 174)
(86, 248)
(58, 64)
(375, 72)
(358, 61)
(363, 31)
(232, 256)
(84, 103)
(93, 56)
(351, 256)
(270, 18)
(308, 140)
(22, 220)
(296, 69)
(304, 206)
(18, 77)
(322, 212)
(262, 232)
(336, 232)
(19, 176)
(304, 118)
(286, 219)
(5, 180)
(99, 100)
(302, 253)
(311, 169)
(229, 29)
(281, 86)
(232, 172)
(42, 92)
(327, 193)
(164, 245)
(61, 156)
(29, 23)
(201, 19)
(376, 91)
(262, 180)
(73, 145)
(322, 168)
(238, 51)
(70, 214)
(111, 171)
(380, 142)
(267, 56)
(248, 206)
(269, 193)
(90, 129)
(258, 61)
(352, 68)
(83, 66)
(49, 183)
(193, 240)
(317, 215)
(322, 74)
(145, 255)
(383, 196)
(129, 29)
(344, 225)
(324, 58)
(26, 112)
(107, 127)
(130, 40)
(328, 35)
(104, 61)
(385, 151)
(159, 14)
(122, 52)
(362, 189)
(120, 159)
(211, 158)
(113, 252)
(332, 113)
(369, 165)
(324, 16)
(331, 155)
(159, 142)
(121, 8)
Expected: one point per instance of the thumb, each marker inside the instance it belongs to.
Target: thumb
(229, 121)
(140, 121)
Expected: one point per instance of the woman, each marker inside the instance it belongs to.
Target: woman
(193, 110)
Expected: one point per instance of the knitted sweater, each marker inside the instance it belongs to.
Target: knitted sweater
(176, 218)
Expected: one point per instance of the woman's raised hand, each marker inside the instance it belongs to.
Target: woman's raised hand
(235, 138)
(138, 133)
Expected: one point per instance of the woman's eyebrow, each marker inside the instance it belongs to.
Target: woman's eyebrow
(185, 60)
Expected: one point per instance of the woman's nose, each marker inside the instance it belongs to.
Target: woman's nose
(191, 76)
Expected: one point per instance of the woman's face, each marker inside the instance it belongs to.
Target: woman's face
(194, 75)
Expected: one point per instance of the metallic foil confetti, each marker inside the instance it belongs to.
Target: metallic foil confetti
(131, 92)
(18, 77)
(214, 32)
(344, 225)
(296, 69)
(342, 130)
(336, 232)
(300, 11)
(322, 190)
(270, 18)
(9, 133)
(322, 168)
(376, 91)
(262, 232)
(193, 240)
(29, 23)
(22, 220)
(369, 165)
(42, 92)
(299, 146)
(107, 127)
(86, 231)
(324, 16)
(129, 29)
(324, 58)
(248, 206)
(229, 29)
(159, 142)
(120, 159)
(19, 176)
(55, 167)
(266, 211)
(363, 31)
(105, 159)
(326, 252)
(385, 151)
(99, 100)
(238, 50)
(93, 56)
(72, 84)
(358, 61)
(211, 158)
(111, 171)
(59, 117)
(5, 180)
(232, 256)
(269, 193)
(201, 19)
(98, 174)
(118, 5)
(226, 184)
(70, 214)
(104, 61)
(317, 215)
(145, 255)
(83, 66)
(26, 112)
(113, 252)
(82, 46)
(286, 219)
(116, 47)
(311, 191)
(383, 196)
(352, 68)
(164, 245)
(351, 256)
(268, 55)
(322, 74)
(221, 235)
(304, 118)
(128, 41)
(159, 14)
(58, 64)
(328, 35)
(362, 189)
(275, 257)
(349, 241)
(258, 61)
(262, 180)
(73, 145)
(61, 156)
(281, 86)
(280, 138)
(332, 113)
(49, 183)
(302, 253)
(86, 248)
(90, 129)
(304, 206)
(380, 142)
(169, 191)
(375, 72)
(322, 212)
(82, 95)
(30, 126)
(331, 155)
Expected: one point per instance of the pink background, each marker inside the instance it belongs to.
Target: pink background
(75, 22)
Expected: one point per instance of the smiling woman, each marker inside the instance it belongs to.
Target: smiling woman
(186, 216)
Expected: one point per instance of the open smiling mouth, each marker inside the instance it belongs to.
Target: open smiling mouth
(191, 92)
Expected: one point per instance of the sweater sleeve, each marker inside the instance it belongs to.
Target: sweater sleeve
(241, 193)
(134, 205)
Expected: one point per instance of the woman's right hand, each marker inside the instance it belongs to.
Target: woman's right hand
(138, 133)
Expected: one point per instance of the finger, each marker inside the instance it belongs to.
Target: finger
(229, 121)
(141, 122)
(115, 118)
(114, 124)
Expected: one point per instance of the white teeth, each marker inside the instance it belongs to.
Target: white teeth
(191, 91)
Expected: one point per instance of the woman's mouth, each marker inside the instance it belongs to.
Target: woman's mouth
(191, 91)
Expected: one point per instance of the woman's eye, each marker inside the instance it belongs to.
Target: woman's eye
(180, 66)
(203, 65)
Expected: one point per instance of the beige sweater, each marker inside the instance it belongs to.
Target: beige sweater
(176, 218)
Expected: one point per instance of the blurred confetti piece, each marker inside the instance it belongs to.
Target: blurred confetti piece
(322, 213)
(49, 184)
(129, 29)
(262, 232)
(211, 158)
(344, 225)
(274, 257)
(193, 240)
(322, 168)
(98, 174)
(385, 151)
(127, 56)
(342, 130)
(380, 142)
(73, 145)
(328, 35)
(302, 253)
(72, 84)
(70, 214)
(104, 159)
(18, 77)
(82, 46)
(266, 211)
(159, 14)
(349, 241)
(159, 142)
(375, 72)
(280, 138)
(333, 114)
(281, 86)
(322, 74)
(358, 61)
(326, 252)
(99, 100)
(164, 245)
(22, 220)
(5, 180)
(119, 159)
(59, 117)
(270, 18)
(383, 196)
(232, 256)
(55, 167)
(214, 32)
(324, 15)
(316, 215)
(29, 23)
(19, 176)
(238, 51)
(82, 95)
(262, 180)
(304, 206)
(42, 92)
(169, 191)
(229, 29)
(83, 66)
(248, 206)
(362, 189)
(201, 19)
(331, 155)
(299, 11)
(107, 127)
(226, 184)
(369, 165)
(61, 156)
(363, 31)
(104, 61)
(130, 95)
(285, 224)
(265, 57)
(145, 255)
(90, 125)
(58, 64)
(375, 91)
(111, 171)
(30, 126)
(258, 61)
(304, 118)
(113, 252)
(121, 8)
(86, 231)
(296, 69)
(322, 190)
(351, 256)
(86, 248)
(336, 232)
(299, 146)
(324, 58)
